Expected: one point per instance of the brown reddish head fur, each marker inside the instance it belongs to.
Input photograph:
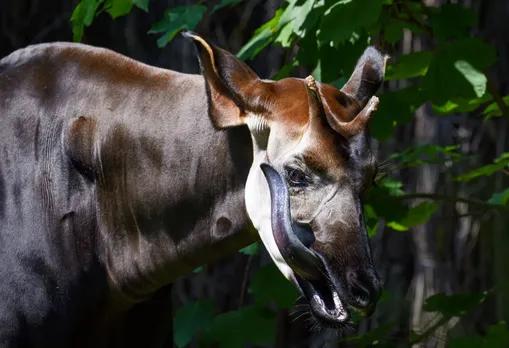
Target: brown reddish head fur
(311, 166)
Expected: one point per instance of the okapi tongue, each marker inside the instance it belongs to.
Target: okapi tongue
(302, 260)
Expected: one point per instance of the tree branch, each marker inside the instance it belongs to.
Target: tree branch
(438, 197)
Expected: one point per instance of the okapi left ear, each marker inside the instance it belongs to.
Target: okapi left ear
(233, 88)
(367, 76)
(348, 110)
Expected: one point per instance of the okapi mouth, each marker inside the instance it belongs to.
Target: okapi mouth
(324, 301)
(310, 273)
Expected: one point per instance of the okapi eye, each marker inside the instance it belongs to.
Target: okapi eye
(296, 177)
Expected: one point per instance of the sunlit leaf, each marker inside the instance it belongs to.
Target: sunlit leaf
(190, 319)
(476, 78)
(176, 19)
(445, 80)
(454, 305)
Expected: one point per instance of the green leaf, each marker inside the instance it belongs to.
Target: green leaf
(190, 319)
(285, 36)
(304, 17)
(261, 38)
(270, 285)
(415, 216)
(371, 220)
(346, 18)
(393, 31)
(225, 3)
(500, 197)
(176, 19)
(497, 336)
(376, 197)
(118, 8)
(447, 80)
(462, 104)
(500, 163)
(335, 62)
(250, 249)
(493, 109)
(142, 4)
(409, 65)
(394, 188)
(451, 21)
(455, 305)
(476, 78)
(395, 108)
(234, 329)
(82, 17)
(198, 269)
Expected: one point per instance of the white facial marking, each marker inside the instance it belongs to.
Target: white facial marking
(257, 194)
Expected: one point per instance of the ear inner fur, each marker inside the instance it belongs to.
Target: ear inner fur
(223, 110)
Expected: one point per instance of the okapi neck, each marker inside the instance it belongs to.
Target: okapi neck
(173, 189)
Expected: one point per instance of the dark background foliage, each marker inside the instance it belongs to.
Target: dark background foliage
(438, 218)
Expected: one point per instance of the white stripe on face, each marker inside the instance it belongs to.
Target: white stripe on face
(257, 198)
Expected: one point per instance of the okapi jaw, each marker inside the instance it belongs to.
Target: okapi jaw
(311, 165)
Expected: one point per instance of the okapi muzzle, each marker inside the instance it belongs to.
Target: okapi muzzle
(311, 167)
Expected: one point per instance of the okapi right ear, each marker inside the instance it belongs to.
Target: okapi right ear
(233, 89)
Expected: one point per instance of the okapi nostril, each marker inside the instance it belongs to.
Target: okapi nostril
(363, 289)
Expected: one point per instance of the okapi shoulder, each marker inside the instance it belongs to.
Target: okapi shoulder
(79, 141)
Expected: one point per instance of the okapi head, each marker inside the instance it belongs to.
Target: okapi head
(311, 167)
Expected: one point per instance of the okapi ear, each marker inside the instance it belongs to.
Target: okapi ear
(233, 88)
(348, 111)
(367, 77)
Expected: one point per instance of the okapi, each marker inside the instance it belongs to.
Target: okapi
(117, 177)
